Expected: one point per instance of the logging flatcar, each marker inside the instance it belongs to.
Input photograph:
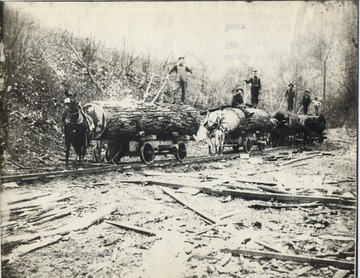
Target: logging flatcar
(141, 129)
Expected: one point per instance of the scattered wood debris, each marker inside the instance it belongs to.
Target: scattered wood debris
(349, 265)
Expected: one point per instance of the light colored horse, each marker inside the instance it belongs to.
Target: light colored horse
(216, 129)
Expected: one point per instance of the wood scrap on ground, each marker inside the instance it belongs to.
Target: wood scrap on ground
(204, 215)
(131, 228)
(349, 265)
(73, 226)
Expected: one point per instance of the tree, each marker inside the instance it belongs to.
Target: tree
(89, 48)
(321, 51)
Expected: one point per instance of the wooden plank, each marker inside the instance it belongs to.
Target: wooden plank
(349, 265)
(257, 182)
(298, 159)
(204, 215)
(339, 238)
(28, 199)
(280, 206)
(24, 249)
(53, 217)
(267, 245)
(256, 195)
(131, 228)
(258, 186)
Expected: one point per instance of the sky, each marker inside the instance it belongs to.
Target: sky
(222, 35)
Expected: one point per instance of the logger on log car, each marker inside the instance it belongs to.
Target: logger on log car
(181, 80)
(255, 89)
(238, 101)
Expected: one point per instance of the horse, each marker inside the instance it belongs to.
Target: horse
(216, 130)
(78, 132)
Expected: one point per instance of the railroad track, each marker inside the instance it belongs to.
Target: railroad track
(109, 168)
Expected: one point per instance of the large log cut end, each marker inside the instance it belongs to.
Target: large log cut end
(129, 118)
(259, 121)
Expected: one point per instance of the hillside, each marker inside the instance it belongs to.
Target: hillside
(41, 63)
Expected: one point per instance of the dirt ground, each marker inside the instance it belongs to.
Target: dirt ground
(177, 250)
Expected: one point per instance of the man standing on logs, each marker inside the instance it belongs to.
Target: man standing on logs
(181, 79)
(238, 101)
(255, 88)
(290, 96)
(306, 101)
(317, 105)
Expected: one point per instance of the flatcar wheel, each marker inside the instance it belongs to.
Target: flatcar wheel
(261, 147)
(181, 152)
(247, 145)
(147, 153)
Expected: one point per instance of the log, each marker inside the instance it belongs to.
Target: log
(238, 124)
(295, 258)
(121, 119)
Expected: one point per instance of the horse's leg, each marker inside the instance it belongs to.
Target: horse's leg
(67, 146)
(67, 154)
(221, 146)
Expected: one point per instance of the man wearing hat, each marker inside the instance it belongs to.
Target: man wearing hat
(290, 96)
(317, 104)
(181, 78)
(238, 101)
(306, 101)
(70, 103)
(255, 88)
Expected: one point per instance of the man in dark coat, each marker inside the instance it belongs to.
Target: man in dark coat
(181, 78)
(306, 101)
(255, 88)
(238, 102)
(290, 96)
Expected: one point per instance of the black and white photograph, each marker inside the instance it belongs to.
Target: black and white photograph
(179, 139)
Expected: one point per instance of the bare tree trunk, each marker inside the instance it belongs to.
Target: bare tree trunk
(83, 64)
(324, 89)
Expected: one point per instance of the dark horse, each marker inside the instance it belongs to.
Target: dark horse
(77, 132)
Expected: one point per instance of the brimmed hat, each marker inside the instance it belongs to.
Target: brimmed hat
(67, 100)
(239, 89)
(307, 91)
(181, 58)
(291, 84)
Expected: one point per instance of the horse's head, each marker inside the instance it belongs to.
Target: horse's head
(76, 117)
(212, 120)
